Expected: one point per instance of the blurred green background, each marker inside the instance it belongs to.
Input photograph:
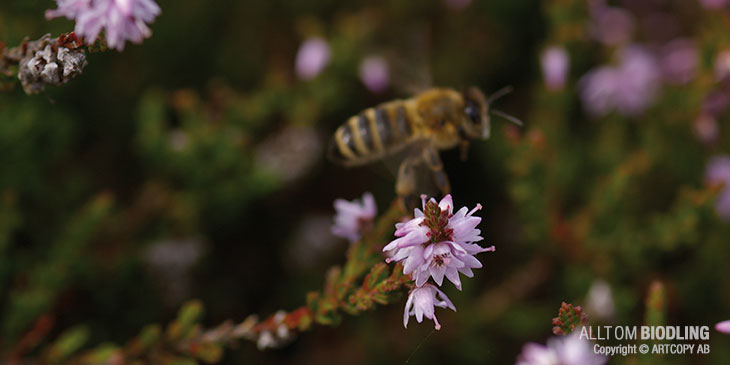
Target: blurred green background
(192, 166)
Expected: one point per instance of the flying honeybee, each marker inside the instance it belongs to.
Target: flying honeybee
(436, 119)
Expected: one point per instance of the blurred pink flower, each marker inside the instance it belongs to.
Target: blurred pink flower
(722, 64)
(170, 263)
(122, 20)
(555, 64)
(289, 153)
(438, 243)
(628, 88)
(723, 327)
(421, 302)
(567, 350)
(713, 4)
(311, 242)
(457, 4)
(679, 61)
(313, 56)
(599, 301)
(354, 217)
(610, 25)
(706, 129)
(374, 74)
(705, 125)
(715, 103)
(718, 172)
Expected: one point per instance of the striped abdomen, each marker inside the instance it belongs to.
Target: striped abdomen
(372, 134)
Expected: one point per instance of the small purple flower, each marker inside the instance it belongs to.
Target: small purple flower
(122, 20)
(568, 350)
(722, 65)
(598, 90)
(374, 74)
(629, 87)
(353, 218)
(713, 4)
(715, 103)
(706, 129)
(679, 61)
(610, 25)
(555, 63)
(313, 56)
(600, 300)
(723, 327)
(718, 172)
(438, 243)
(421, 302)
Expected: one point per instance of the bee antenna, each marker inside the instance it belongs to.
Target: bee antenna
(499, 93)
(506, 116)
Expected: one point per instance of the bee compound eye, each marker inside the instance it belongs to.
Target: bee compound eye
(472, 112)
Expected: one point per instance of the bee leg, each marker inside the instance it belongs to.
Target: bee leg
(405, 185)
(464, 150)
(433, 161)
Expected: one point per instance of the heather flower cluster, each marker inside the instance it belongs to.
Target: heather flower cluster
(121, 20)
(436, 243)
(631, 84)
(628, 87)
(354, 217)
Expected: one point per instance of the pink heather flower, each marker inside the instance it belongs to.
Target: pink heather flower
(628, 88)
(718, 172)
(555, 64)
(713, 4)
(421, 302)
(715, 103)
(705, 128)
(438, 243)
(610, 25)
(723, 327)
(121, 20)
(353, 218)
(374, 74)
(567, 350)
(600, 300)
(679, 60)
(722, 65)
(313, 56)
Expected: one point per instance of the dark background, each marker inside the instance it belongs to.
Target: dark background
(141, 184)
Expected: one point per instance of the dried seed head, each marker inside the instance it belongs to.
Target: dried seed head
(47, 63)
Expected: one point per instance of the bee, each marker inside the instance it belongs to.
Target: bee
(436, 119)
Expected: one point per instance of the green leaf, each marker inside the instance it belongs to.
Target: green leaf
(68, 343)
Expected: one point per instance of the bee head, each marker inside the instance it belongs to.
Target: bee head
(476, 110)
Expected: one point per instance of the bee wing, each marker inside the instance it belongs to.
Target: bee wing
(408, 57)
(421, 173)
